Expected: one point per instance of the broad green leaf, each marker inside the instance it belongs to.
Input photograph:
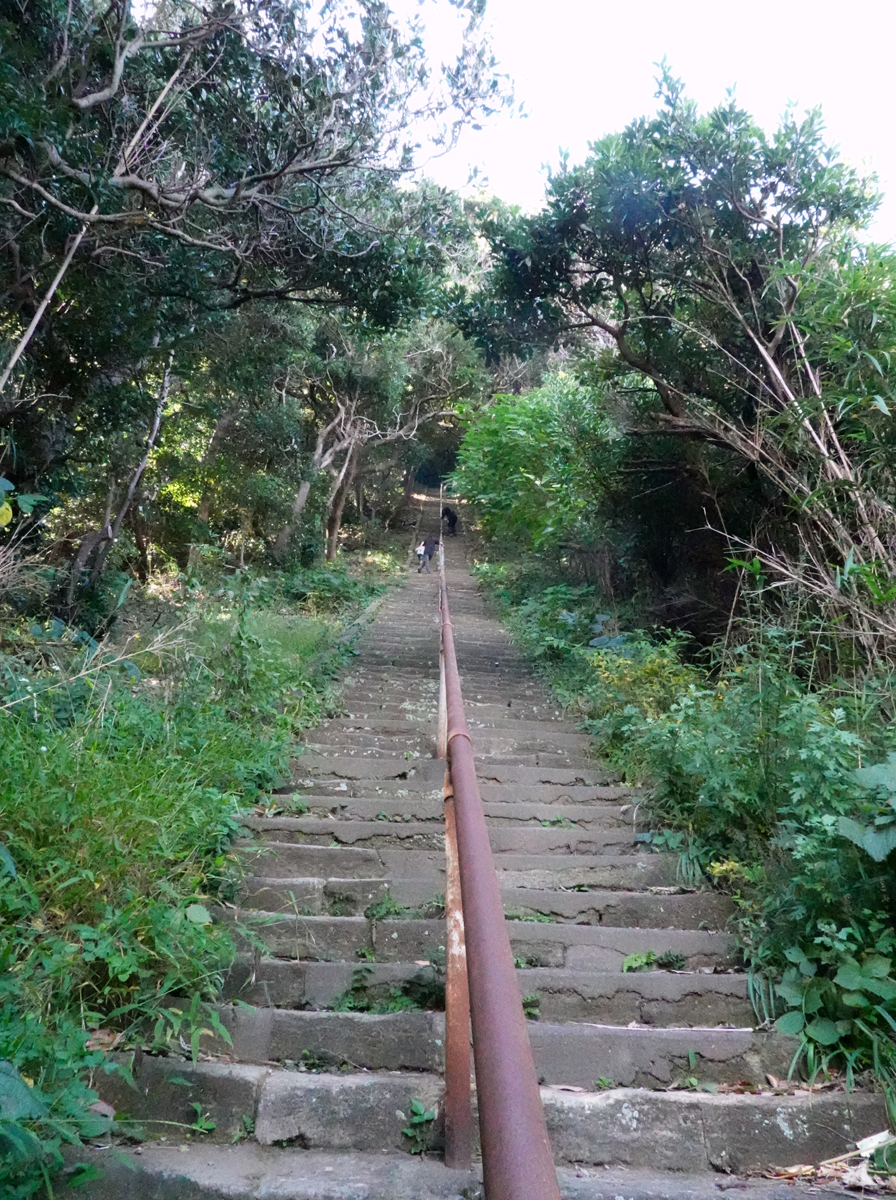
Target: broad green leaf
(850, 976)
(790, 992)
(790, 1023)
(855, 999)
(199, 914)
(18, 1101)
(883, 775)
(5, 485)
(27, 502)
(823, 1030)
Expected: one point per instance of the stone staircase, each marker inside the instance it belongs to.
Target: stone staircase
(652, 1079)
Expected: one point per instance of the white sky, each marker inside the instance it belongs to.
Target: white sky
(584, 68)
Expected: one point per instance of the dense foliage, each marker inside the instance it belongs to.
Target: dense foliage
(127, 767)
(218, 283)
(780, 792)
(694, 515)
(714, 278)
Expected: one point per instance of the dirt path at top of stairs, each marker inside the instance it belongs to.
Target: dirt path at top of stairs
(652, 1080)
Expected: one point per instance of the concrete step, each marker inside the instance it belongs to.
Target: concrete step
(316, 767)
(313, 897)
(504, 837)
(649, 998)
(283, 860)
(578, 947)
(366, 1111)
(487, 755)
(655, 998)
(647, 910)
(572, 1054)
(326, 831)
(198, 1171)
(487, 742)
(422, 808)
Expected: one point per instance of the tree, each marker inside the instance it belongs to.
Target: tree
(366, 390)
(704, 257)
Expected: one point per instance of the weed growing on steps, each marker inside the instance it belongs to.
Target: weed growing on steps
(424, 990)
(417, 1130)
(124, 781)
(646, 960)
(768, 782)
(389, 909)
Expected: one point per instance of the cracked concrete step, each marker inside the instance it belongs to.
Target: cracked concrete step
(572, 1054)
(406, 749)
(652, 998)
(666, 1130)
(273, 859)
(562, 733)
(367, 808)
(280, 985)
(655, 998)
(530, 701)
(426, 783)
(648, 910)
(310, 896)
(503, 837)
(325, 831)
(314, 767)
(407, 710)
(543, 944)
(194, 1171)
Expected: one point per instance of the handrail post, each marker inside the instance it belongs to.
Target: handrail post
(517, 1163)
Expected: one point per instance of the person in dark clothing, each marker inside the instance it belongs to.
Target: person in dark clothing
(429, 549)
(449, 516)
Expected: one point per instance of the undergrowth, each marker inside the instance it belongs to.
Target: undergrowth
(769, 782)
(127, 764)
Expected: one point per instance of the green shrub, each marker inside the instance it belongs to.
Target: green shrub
(760, 782)
(125, 774)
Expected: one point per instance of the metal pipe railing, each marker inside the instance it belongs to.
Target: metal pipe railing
(516, 1155)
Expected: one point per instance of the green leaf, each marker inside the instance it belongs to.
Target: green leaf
(84, 1173)
(5, 485)
(883, 775)
(824, 1031)
(18, 1101)
(791, 1023)
(27, 502)
(199, 914)
(790, 992)
(850, 976)
(855, 999)
(7, 862)
(878, 844)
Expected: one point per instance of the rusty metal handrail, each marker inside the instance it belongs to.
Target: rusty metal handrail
(516, 1155)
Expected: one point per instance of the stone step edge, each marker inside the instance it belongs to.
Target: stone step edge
(668, 1130)
(193, 1171)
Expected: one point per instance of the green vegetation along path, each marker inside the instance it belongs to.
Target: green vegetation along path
(654, 1078)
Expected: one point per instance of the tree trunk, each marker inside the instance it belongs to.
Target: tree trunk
(298, 507)
(106, 545)
(337, 508)
(222, 429)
